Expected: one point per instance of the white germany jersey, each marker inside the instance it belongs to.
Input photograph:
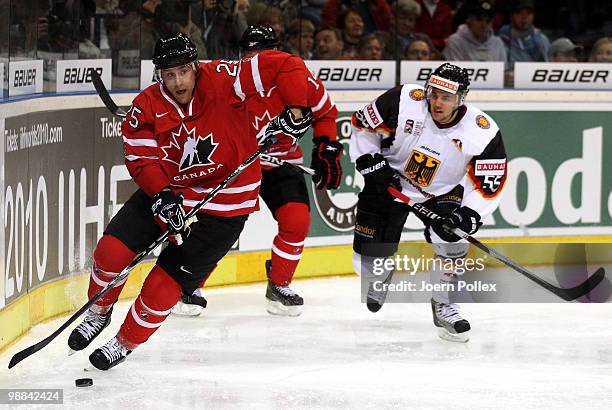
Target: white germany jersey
(433, 158)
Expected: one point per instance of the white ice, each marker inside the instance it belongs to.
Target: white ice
(339, 355)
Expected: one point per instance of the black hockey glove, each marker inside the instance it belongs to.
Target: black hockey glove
(377, 175)
(170, 216)
(464, 218)
(326, 163)
(285, 124)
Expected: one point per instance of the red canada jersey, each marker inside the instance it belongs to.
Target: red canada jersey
(268, 104)
(192, 148)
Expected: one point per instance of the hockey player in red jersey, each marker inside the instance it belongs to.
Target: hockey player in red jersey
(183, 136)
(450, 156)
(283, 188)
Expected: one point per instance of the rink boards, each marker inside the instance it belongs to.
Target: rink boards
(63, 179)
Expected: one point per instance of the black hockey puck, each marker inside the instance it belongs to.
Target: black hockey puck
(83, 382)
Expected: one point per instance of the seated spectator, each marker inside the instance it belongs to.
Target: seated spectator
(602, 51)
(370, 47)
(351, 24)
(260, 13)
(523, 41)
(421, 48)
(329, 44)
(403, 18)
(221, 24)
(474, 40)
(375, 13)
(562, 50)
(300, 38)
(435, 20)
(311, 9)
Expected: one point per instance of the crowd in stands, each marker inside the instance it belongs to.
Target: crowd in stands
(473, 30)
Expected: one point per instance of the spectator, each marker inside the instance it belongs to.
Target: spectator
(311, 9)
(263, 14)
(221, 25)
(376, 14)
(351, 24)
(370, 47)
(435, 20)
(403, 18)
(300, 38)
(562, 50)
(602, 51)
(421, 48)
(523, 41)
(170, 17)
(474, 40)
(329, 44)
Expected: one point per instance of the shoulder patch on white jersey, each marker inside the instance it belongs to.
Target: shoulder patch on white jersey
(372, 115)
(483, 122)
(417, 94)
(490, 167)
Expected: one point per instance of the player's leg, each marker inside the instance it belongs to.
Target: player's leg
(178, 269)
(128, 233)
(377, 233)
(447, 316)
(284, 191)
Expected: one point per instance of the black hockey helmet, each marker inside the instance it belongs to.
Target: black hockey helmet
(450, 78)
(261, 37)
(174, 50)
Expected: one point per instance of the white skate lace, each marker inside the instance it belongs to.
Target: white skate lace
(91, 325)
(285, 290)
(114, 350)
(377, 295)
(449, 312)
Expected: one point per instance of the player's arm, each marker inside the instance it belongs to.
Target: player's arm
(374, 126)
(326, 150)
(486, 178)
(141, 148)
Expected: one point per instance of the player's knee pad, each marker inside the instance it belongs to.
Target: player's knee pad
(293, 221)
(111, 255)
(160, 292)
(372, 267)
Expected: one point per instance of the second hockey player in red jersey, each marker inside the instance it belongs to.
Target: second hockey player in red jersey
(182, 137)
(283, 187)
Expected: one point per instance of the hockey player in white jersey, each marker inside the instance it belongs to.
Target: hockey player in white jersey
(437, 150)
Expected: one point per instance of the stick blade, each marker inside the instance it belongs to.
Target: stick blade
(585, 287)
(104, 95)
(28, 351)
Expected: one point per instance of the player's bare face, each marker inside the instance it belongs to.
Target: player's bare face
(442, 105)
(180, 81)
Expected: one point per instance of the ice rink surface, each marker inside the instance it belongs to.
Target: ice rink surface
(338, 355)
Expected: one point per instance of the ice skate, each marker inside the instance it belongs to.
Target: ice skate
(88, 330)
(282, 300)
(376, 298)
(190, 305)
(109, 355)
(451, 326)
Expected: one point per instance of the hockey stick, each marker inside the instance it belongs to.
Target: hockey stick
(18, 357)
(565, 294)
(115, 110)
(277, 161)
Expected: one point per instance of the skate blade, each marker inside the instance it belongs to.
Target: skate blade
(71, 352)
(453, 337)
(181, 309)
(278, 309)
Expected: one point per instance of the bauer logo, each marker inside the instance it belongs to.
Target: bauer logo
(488, 74)
(76, 75)
(342, 75)
(25, 77)
(337, 207)
(563, 76)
